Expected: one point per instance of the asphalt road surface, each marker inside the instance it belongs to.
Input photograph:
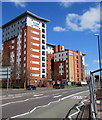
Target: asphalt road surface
(46, 103)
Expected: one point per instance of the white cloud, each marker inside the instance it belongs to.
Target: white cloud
(66, 4)
(97, 61)
(59, 29)
(79, 0)
(87, 21)
(86, 65)
(21, 3)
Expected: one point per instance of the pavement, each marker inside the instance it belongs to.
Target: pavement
(99, 103)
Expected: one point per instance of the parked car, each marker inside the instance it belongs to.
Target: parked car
(84, 83)
(58, 86)
(31, 87)
(81, 83)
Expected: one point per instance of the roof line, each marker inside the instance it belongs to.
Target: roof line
(22, 15)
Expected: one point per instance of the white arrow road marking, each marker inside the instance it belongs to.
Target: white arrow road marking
(57, 96)
(48, 104)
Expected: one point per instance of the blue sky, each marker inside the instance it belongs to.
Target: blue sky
(72, 25)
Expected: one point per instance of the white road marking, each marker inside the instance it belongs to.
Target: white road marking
(48, 104)
(78, 109)
(42, 97)
(22, 101)
(73, 95)
(38, 95)
(21, 94)
(10, 97)
(77, 97)
(57, 96)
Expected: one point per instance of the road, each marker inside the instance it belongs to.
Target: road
(46, 103)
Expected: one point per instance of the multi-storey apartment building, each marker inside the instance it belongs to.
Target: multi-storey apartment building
(49, 60)
(68, 65)
(24, 42)
(32, 60)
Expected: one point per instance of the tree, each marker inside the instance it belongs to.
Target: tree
(5, 59)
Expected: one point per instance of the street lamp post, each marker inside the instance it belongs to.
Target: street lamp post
(99, 57)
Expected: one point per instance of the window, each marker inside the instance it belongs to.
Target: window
(43, 47)
(43, 30)
(24, 61)
(43, 36)
(43, 64)
(43, 52)
(66, 53)
(43, 58)
(12, 41)
(24, 55)
(43, 41)
(43, 70)
(59, 55)
(77, 57)
(43, 25)
(43, 76)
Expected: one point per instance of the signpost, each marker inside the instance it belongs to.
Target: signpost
(5, 73)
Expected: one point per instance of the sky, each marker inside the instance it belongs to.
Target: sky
(72, 24)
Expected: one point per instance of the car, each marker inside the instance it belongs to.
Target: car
(31, 87)
(84, 83)
(58, 86)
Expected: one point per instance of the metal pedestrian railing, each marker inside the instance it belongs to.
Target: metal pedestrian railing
(94, 85)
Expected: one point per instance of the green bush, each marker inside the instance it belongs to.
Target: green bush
(16, 86)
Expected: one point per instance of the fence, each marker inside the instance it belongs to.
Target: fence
(94, 85)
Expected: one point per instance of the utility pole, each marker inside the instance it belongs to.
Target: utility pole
(99, 52)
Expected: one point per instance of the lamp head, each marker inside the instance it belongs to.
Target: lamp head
(96, 34)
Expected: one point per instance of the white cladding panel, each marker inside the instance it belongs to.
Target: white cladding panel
(49, 49)
(60, 56)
